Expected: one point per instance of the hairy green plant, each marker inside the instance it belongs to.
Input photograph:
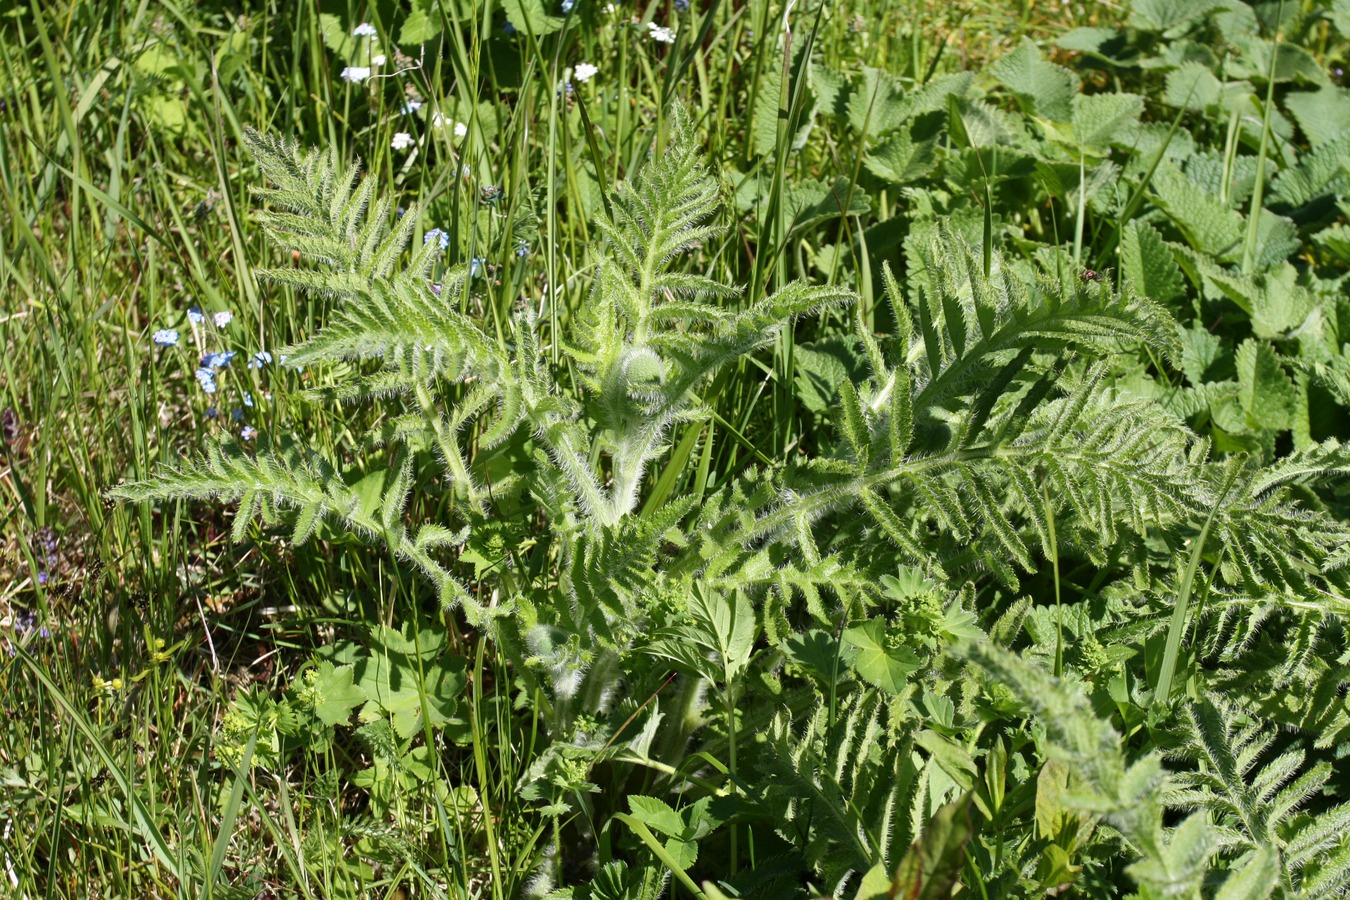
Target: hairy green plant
(986, 436)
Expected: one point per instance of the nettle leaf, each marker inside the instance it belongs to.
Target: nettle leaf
(1275, 301)
(1148, 265)
(1100, 120)
(877, 105)
(810, 202)
(879, 660)
(335, 694)
(1200, 350)
(1209, 225)
(821, 366)
(1046, 89)
(1323, 114)
(765, 115)
(1193, 86)
(1165, 15)
(1268, 395)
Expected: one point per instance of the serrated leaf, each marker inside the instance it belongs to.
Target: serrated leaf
(1165, 15)
(1208, 225)
(1100, 120)
(809, 202)
(529, 17)
(1148, 266)
(765, 114)
(657, 815)
(405, 670)
(876, 661)
(1323, 114)
(422, 25)
(900, 159)
(335, 693)
(1192, 86)
(877, 104)
(1267, 394)
(336, 37)
(1046, 88)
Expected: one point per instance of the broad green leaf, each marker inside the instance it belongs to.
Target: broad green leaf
(1323, 114)
(1100, 120)
(950, 756)
(400, 675)
(336, 37)
(1268, 396)
(1148, 266)
(529, 17)
(657, 815)
(1208, 225)
(1200, 349)
(877, 105)
(877, 660)
(1192, 86)
(821, 366)
(334, 693)
(933, 864)
(1046, 88)
(422, 25)
(809, 202)
(764, 116)
(900, 159)
(875, 885)
(1165, 15)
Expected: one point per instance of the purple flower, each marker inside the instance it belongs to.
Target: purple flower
(165, 337)
(248, 432)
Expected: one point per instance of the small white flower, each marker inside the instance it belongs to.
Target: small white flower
(584, 72)
(611, 8)
(222, 318)
(355, 74)
(365, 29)
(438, 120)
(378, 59)
(660, 34)
(461, 129)
(402, 141)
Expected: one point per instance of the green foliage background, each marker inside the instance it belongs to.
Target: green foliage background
(857, 450)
